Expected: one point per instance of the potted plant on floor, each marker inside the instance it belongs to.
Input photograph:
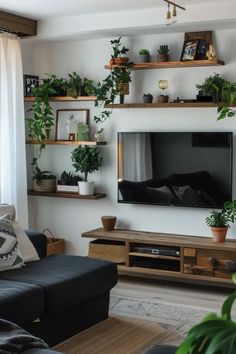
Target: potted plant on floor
(215, 334)
(163, 53)
(68, 182)
(86, 159)
(220, 220)
(144, 56)
(43, 181)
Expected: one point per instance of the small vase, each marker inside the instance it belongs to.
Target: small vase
(122, 98)
(108, 222)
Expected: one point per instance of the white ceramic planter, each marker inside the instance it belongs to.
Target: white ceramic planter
(67, 188)
(86, 188)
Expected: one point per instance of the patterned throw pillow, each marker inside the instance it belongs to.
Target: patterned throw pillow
(10, 257)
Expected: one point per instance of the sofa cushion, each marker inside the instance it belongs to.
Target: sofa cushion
(10, 256)
(20, 302)
(67, 281)
(26, 247)
(8, 209)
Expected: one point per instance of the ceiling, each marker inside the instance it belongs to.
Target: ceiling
(42, 9)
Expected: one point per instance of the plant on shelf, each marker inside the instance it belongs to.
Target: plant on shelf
(229, 94)
(86, 159)
(163, 53)
(213, 86)
(144, 56)
(147, 98)
(57, 84)
(43, 181)
(116, 83)
(219, 221)
(118, 52)
(68, 182)
(86, 87)
(73, 85)
(214, 334)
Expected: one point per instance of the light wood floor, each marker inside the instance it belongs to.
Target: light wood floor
(184, 294)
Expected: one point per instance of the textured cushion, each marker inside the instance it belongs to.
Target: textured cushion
(10, 256)
(26, 247)
(8, 209)
(20, 302)
(67, 281)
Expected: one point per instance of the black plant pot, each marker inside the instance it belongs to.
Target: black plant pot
(147, 99)
(122, 98)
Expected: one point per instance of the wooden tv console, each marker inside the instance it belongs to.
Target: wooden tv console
(189, 258)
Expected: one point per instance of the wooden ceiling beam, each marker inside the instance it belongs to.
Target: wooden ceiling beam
(22, 26)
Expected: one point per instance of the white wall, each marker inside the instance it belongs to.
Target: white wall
(69, 218)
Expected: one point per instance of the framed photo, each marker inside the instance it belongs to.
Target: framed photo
(67, 122)
(204, 38)
(189, 51)
(30, 82)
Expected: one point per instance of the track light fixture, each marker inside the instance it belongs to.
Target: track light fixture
(171, 17)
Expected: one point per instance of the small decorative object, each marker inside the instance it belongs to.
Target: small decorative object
(118, 52)
(68, 182)
(86, 159)
(30, 82)
(211, 53)
(220, 220)
(82, 132)
(163, 53)
(204, 39)
(163, 85)
(144, 56)
(108, 222)
(72, 136)
(98, 135)
(43, 181)
(67, 122)
(189, 51)
(147, 98)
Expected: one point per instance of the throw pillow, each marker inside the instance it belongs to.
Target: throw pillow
(28, 252)
(162, 195)
(187, 196)
(10, 256)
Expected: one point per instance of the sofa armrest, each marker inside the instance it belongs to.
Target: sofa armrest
(39, 241)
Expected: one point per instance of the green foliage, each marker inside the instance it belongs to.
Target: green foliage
(163, 49)
(213, 85)
(57, 84)
(86, 159)
(117, 48)
(148, 95)
(229, 97)
(144, 52)
(39, 174)
(87, 86)
(69, 179)
(223, 217)
(73, 84)
(215, 334)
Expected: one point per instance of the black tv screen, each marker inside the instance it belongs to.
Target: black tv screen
(191, 169)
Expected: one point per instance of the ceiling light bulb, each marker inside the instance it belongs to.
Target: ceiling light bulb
(168, 15)
(174, 15)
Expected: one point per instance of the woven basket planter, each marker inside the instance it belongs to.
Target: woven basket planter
(44, 185)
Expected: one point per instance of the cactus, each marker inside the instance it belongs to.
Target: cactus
(163, 49)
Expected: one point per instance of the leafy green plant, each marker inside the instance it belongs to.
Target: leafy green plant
(38, 174)
(213, 85)
(144, 52)
(223, 217)
(148, 95)
(86, 159)
(57, 84)
(73, 84)
(215, 334)
(87, 87)
(117, 48)
(163, 49)
(229, 97)
(69, 179)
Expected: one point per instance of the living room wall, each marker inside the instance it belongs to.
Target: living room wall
(68, 218)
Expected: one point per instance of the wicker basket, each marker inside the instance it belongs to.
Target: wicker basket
(108, 250)
(55, 246)
(44, 185)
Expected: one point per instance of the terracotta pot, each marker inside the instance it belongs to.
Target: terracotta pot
(120, 60)
(162, 57)
(163, 99)
(108, 222)
(219, 233)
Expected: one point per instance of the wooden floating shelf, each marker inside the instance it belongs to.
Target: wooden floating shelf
(66, 142)
(64, 98)
(163, 105)
(172, 64)
(66, 195)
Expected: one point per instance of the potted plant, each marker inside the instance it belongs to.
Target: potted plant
(86, 87)
(163, 53)
(144, 56)
(118, 52)
(68, 182)
(220, 220)
(229, 97)
(214, 334)
(121, 75)
(73, 85)
(43, 181)
(211, 89)
(57, 84)
(147, 98)
(86, 159)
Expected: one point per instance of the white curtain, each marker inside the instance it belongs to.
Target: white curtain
(13, 185)
(137, 164)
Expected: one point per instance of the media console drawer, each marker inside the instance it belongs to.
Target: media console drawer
(108, 250)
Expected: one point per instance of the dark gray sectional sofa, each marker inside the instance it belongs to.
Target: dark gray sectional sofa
(58, 296)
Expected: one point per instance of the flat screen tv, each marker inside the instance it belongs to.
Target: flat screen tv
(191, 169)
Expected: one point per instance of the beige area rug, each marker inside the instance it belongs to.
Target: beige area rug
(119, 335)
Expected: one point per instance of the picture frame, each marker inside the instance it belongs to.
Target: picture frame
(190, 50)
(67, 121)
(30, 82)
(204, 38)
